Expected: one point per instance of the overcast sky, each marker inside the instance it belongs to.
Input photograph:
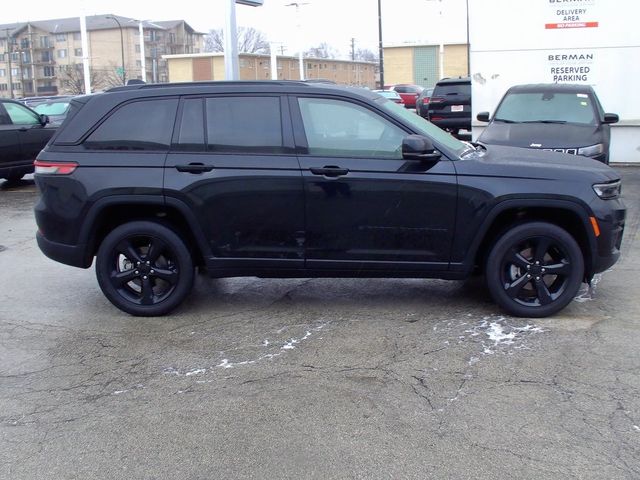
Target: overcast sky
(331, 21)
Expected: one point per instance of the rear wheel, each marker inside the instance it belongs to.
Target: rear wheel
(534, 270)
(144, 268)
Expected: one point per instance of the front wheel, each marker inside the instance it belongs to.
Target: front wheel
(534, 269)
(144, 268)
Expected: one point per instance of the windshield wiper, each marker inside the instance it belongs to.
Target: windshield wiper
(504, 120)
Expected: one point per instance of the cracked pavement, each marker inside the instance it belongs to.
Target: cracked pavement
(323, 378)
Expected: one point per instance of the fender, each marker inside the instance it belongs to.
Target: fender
(579, 208)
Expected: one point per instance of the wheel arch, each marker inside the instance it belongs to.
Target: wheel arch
(571, 216)
(108, 213)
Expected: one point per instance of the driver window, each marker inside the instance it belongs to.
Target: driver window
(338, 128)
(20, 115)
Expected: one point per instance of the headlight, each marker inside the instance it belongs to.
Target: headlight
(608, 191)
(591, 151)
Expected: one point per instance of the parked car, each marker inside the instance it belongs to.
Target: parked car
(32, 102)
(450, 105)
(55, 109)
(553, 117)
(422, 102)
(409, 93)
(293, 179)
(391, 95)
(22, 136)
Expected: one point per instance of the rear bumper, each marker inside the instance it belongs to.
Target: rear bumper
(74, 255)
(454, 122)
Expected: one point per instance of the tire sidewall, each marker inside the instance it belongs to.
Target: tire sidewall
(518, 234)
(179, 251)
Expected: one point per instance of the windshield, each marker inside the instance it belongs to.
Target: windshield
(423, 127)
(58, 108)
(547, 107)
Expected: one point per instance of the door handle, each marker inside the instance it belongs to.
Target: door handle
(194, 168)
(329, 171)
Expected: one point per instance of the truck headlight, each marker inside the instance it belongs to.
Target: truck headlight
(608, 191)
(592, 150)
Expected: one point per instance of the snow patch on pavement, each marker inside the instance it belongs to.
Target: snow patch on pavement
(497, 335)
(586, 292)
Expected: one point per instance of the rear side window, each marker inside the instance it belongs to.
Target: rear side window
(143, 125)
(191, 137)
(244, 124)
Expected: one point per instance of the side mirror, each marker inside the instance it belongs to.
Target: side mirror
(483, 117)
(611, 118)
(417, 147)
(44, 119)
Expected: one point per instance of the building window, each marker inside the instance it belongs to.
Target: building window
(15, 72)
(3, 87)
(62, 53)
(139, 63)
(61, 37)
(17, 86)
(44, 42)
(26, 57)
(137, 48)
(49, 71)
(3, 72)
(78, 52)
(15, 56)
(77, 36)
(24, 43)
(46, 57)
(172, 38)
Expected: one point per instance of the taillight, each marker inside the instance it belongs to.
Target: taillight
(54, 168)
(436, 118)
(425, 101)
(437, 100)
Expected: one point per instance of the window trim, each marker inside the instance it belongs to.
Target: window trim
(288, 142)
(302, 145)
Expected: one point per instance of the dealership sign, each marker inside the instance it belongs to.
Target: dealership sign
(571, 14)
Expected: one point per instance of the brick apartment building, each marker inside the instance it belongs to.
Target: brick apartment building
(45, 57)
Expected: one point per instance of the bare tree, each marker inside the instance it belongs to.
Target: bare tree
(72, 79)
(250, 40)
(366, 55)
(324, 50)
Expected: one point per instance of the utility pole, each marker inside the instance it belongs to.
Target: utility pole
(231, 67)
(353, 49)
(380, 49)
(300, 59)
(10, 50)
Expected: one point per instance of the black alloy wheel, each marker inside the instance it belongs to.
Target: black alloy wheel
(535, 269)
(144, 268)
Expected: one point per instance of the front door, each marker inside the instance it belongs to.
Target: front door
(366, 207)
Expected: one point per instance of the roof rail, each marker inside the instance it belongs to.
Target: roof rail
(205, 84)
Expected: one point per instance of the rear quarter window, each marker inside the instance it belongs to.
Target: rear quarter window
(140, 125)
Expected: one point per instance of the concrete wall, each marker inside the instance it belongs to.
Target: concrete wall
(455, 61)
(398, 65)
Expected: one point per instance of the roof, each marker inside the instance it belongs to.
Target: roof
(94, 22)
(454, 80)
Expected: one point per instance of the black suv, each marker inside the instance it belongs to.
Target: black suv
(291, 179)
(450, 105)
(22, 136)
(551, 116)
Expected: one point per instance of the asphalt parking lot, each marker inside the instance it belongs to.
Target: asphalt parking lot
(322, 378)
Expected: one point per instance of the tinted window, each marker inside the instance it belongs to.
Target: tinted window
(144, 125)
(244, 124)
(401, 89)
(338, 128)
(21, 115)
(453, 89)
(191, 137)
(547, 106)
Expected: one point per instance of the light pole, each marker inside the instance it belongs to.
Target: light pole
(468, 44)
(124, 75)
(380, 49)
(300, 59)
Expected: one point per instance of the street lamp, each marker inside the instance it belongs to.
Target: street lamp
(300, 59)
(380, 49)
(111, 17)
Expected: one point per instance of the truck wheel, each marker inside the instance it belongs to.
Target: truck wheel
(144, 268)
(534, 269)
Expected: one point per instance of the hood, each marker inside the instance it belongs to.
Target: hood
(499, 161)
(541, 135)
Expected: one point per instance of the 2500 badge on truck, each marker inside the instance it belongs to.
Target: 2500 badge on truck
(291, 179)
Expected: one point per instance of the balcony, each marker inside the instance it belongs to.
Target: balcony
(48, 90)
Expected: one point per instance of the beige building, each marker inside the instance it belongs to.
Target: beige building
(210, 66)
(45, 57)
(420, 64)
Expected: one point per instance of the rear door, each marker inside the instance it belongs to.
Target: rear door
(233, 164)
(9, 142)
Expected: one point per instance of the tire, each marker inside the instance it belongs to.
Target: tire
(14, 178)
(534, 269)
(144, 268)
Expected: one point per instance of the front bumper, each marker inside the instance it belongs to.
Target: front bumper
(609, 242)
